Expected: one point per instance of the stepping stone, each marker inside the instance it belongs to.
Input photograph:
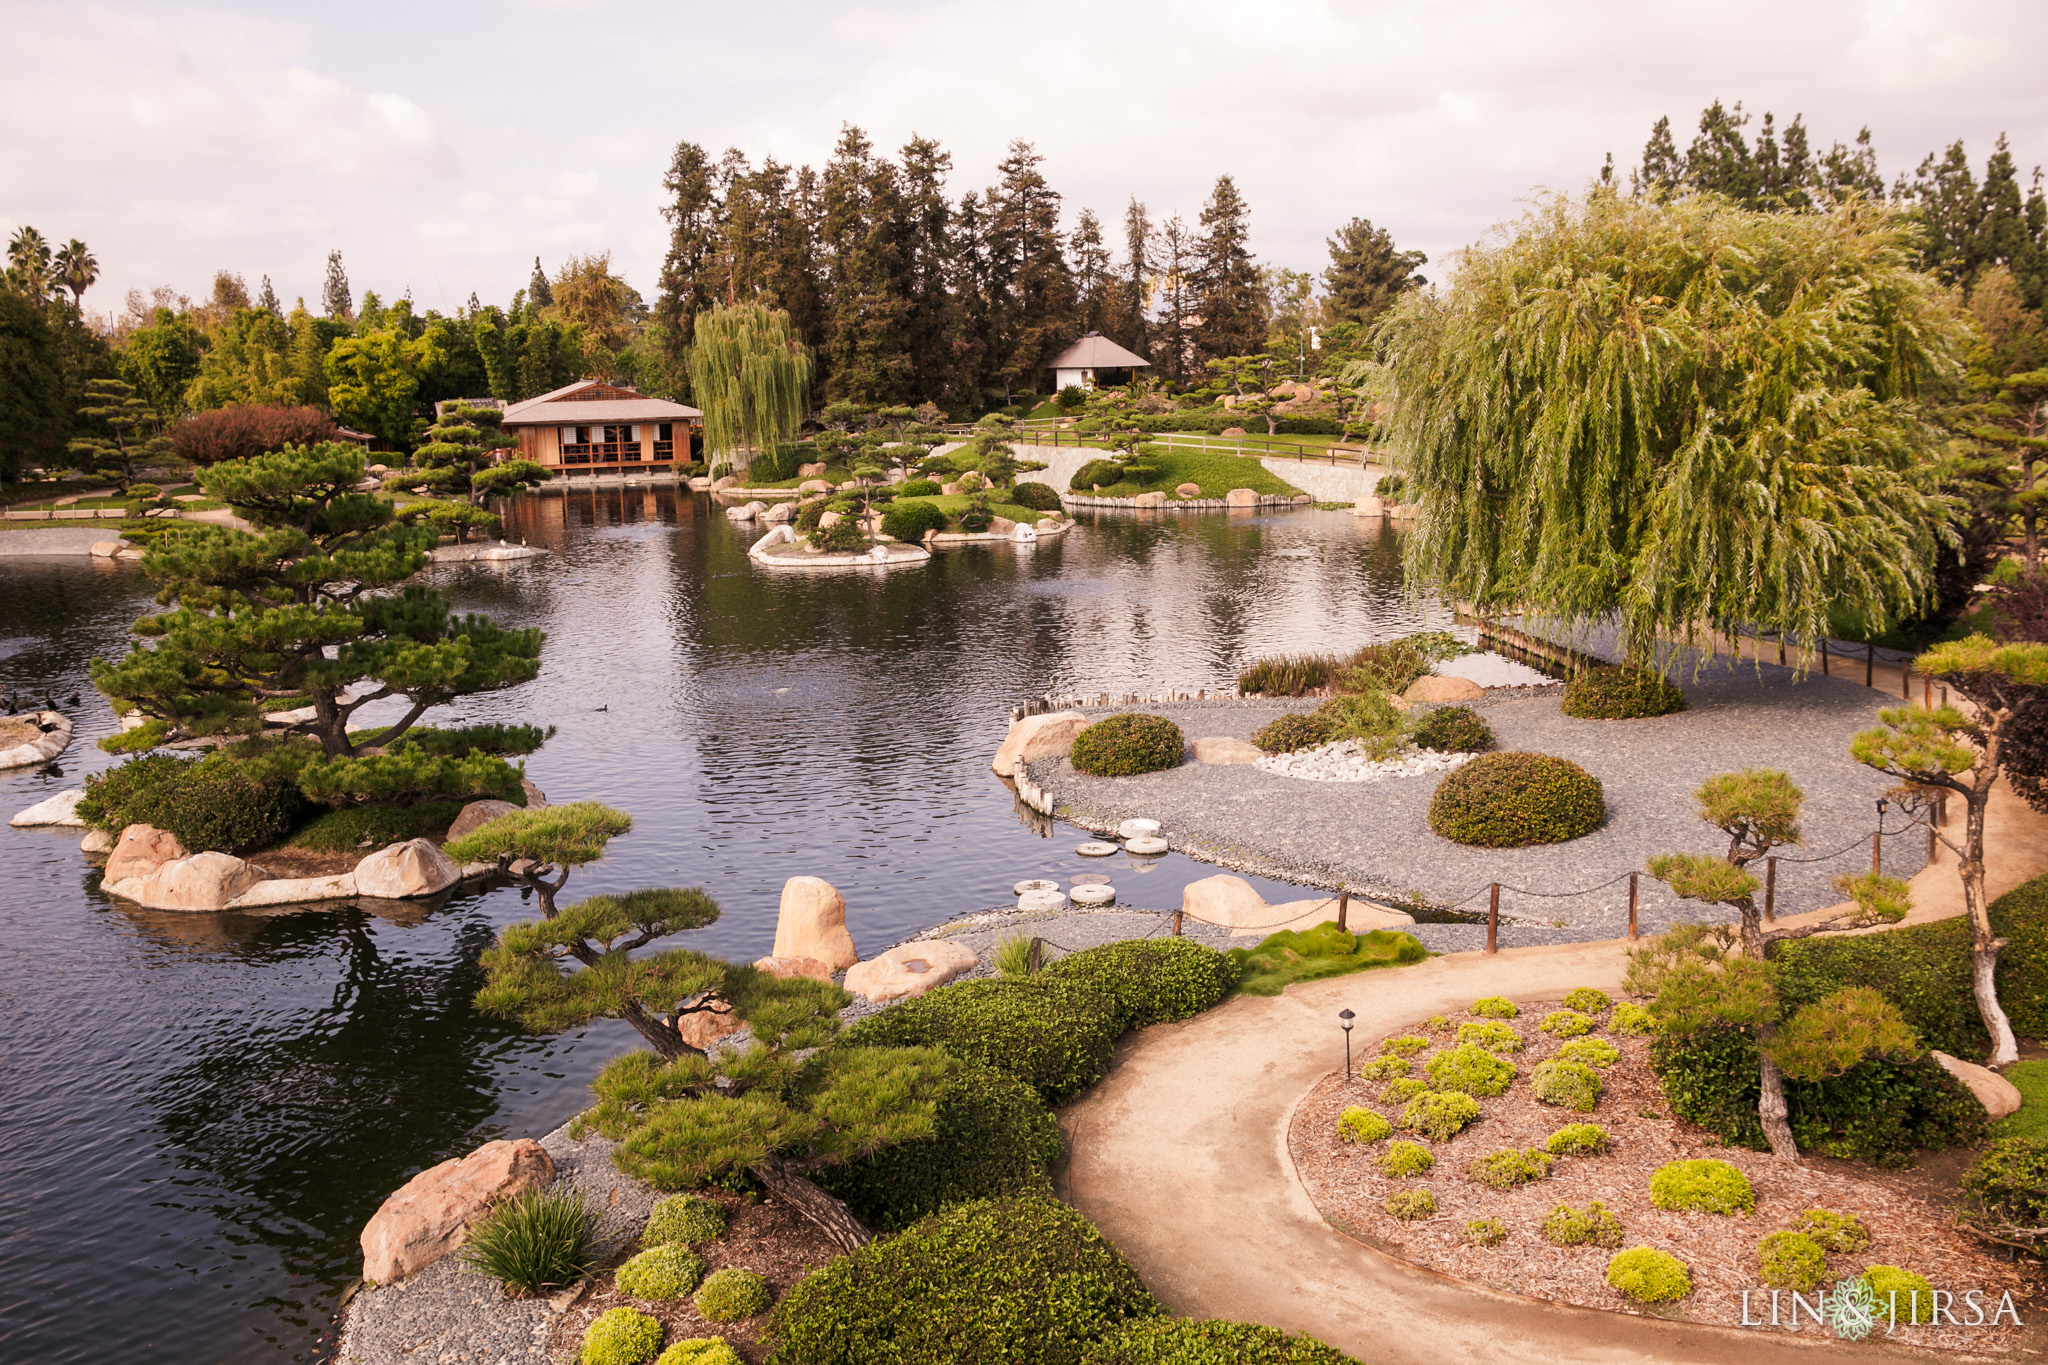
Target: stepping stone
(1035, 884)
(1042, 900)
(1146, 847)
(1094, 895)
(1137, 829)
(1095, 848)
(1090, 879)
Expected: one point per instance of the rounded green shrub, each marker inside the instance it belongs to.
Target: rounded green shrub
(1704, 1185)
(1495, 1007)
(1507, 1168)
(1837, 1232)
(208, 803)
(1404, 1159)
(1594, 1052)
(908, 520)
(1454, 730)
(668, 1271)
(1437, 1023)
(2011, 1179)
(700, 1351)
(1634, 1021)
(1440, 1115)
(842, 535)
(1053, 1035)
(1384, 1068)
(1491, 1035)
(535, 1242)
(1646, 1275)
(923, 488)
(1285, 734)
(688, 1219)
(1471, 1069)
(1512, 800)
(1566, 1023)
(1125, 745)
(1611, 692)
(731, 1294)
(1586, 1000)
(1592, 1226)
(1403, 1045)
(1569, 1085)
(1023, 1281)
(1039, 497)
(1577, 1139)
(1403, 1089)
(620, 1336)
(1410, 1205)
(1208, 1341)
(1486, 1232)
(1358, 1124)
(1791, 1260)
(1096, 474)
(1367, 717)
(1150, 980)
(1902, 1295)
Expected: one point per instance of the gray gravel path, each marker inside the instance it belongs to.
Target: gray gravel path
(1374, 837)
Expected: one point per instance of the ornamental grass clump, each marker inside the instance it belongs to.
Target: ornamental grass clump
(1403, 1159)
(1471, 1069)
(1289, 675)
(1514, 800)
(1613, 692)
(1491, 1035)
(1594, 1052)
(1454, 730)
(1358, 1124)
(731, 1294)
(687, 1219)
(1586, 1000)
(1904, 1296)
(1569, 1085)
(620, 1336)
(1384, 1068)
(1791, 1260)
(1704, 1185)
(1843, 1233)
(668, 1271)
(1592, 1226)
(1495, 1007)
(1646, 1275)
(535, 1243)
(1440, 1115)
(1369, 718)
(1507, 1168)
(1125, 745)
(1411, 1205)
(1486, 1232)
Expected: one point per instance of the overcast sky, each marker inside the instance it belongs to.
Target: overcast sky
(441, 146)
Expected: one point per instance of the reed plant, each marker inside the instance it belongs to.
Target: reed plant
(535, 1243)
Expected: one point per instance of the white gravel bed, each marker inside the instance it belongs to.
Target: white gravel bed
(1345, 761)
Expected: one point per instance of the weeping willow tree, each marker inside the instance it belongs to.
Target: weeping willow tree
(1679, 415)
(752, 378)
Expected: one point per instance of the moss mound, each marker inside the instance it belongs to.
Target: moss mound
(1513, 800)
(620, 1336)
(668, 1271)
(1704, 1185)
(731, 1294)
(1647, 1275)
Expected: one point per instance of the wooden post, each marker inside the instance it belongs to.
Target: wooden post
(1781, 651)
(1343, 906)
(1631, 907)
(1824, 657)
(1176, 922)
(1927, 690)
(1869, 665)
(1493, 921)
(1770, 890)
(1877, 851)
(1037, 956)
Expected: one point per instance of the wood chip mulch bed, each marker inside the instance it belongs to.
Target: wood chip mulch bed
(1908, 1228)
(761, 1235)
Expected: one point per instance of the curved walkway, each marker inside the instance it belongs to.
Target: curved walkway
(1180, 1157)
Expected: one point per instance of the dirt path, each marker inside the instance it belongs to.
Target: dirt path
(1180, 1157)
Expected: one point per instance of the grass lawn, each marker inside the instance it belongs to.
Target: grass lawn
(2032, 1119)
(834, 474)
(1214, 471)
(1325, 950)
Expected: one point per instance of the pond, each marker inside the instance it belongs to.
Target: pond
(201, 1111)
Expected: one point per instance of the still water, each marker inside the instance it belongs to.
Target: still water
(198, 1112)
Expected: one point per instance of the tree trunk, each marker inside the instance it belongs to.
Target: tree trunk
(1985, 944)
(667, 1042)
(1770, 1103)
(831, 1216)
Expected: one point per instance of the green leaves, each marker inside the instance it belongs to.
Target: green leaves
(565, 836)
(1697, 980)
(1917, 743)
(1697, 877)
(1832, 1035)
(1759, 807)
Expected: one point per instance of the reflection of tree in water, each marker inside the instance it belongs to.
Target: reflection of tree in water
(298, 1128)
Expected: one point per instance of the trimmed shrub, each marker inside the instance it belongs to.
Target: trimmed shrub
(1791, 1260)
(925, 488)
(685, 1219)
(1594, 1226)
(1513, 800)
(1440, 1115)
(1586, 1000)
(991, 1136)
(1634, 1021)
(1646, 1275)
(1026, 1281)
(1905, 1297)
(2010, 1181)
(1577, 1139)
(1566, 1023)
(1410, 1205)
(1594, 1052)
(1287, 675)
(1405, 1158)
(843, 534)
(1384, 1068)
(1053, 1035)
(1193, 1341)
(1454, 730)
(208, 803)
(1491, 1035)
(664, 1272)
(1495, 1007)
(1121, 746)
(1437, 1023)
(1096, 474)
(908, 520)
(1838, 1232)
(1285, 734)
(1039, 497)
(1358, 1124)
(731, 1294)
(1151, 980)
(1404, 1045)
(1486, 1232)
(354, 828)
(1471, 1069)
(1507, 1168)
(1704, 1185)
(1403, 1090)
(700, 1351)
(535, 1242)
(1611, 692)
(1569, 1085)
(620, 1336)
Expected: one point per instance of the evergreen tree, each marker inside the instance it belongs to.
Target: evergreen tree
(936, 319)
(1094, 286)
(460, 450)
(1131, 327)
(1178, 297)
(267, 301)
(162, 359)
(1031, 288)
(688, 270)
(1366, 273)
(861, 232)
(1232, 299)
(35, 408)
(334, 296)
(76, 269)
(1662, 170)
(133, 432)
(539, 293)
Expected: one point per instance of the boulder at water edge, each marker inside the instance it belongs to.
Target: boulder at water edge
(96, 841)
(1218, 749)
(910, 969)
(476, 815)
(1998, 1095)
(1429, 687)
(61, 809)
(787, 967)
(1189, 490)
(140, 851)
(719, 485)
(204, 881)
(1152, 499)
(1050, 735)
(534, 799)
(1000, 526)
(402, 871)
(1225, 900)
(432, 1213)
(812, 923)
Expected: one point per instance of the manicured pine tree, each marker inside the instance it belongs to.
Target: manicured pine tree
(133, 432)
(459, 452)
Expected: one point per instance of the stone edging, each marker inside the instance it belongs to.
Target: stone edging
(1186, 504)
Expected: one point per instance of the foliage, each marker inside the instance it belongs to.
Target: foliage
(1791, 1260)
(1164, 470)
(1757, 463)
(1095, 474)
(1512, 800)
(1055, 1036)
(1404, 1044)
(2010, 1182)
(1586, 1000)
(1208, 1341)
(1571, 1085)
(1594, 1226)
(357, 827)
(248, 430)
(1295, 730)
(1384, 1068)
(1124, 745)
(1632, 1020)
(1367, 717)
(1508, 1168)
(668, 1271)
(1617, 693)
(1597, 1053)
(908, 520)
(1439, 1115)
(1491, 1035)
(731, 1294)
(751, 375)
(1027, 1281)
(1312, 954)
(1566, 1023)
(699, 1351)
(1454, 730)
(620, 1336)
(1495, 1007)
(1646, 1275)
(917, 488)
(1394, 665)
(1404, 1158)
(1150, 981)
(1486, 1232)
(1403, 1089)
(1879, 899)
(1470, 1069)
(2031, 1119)
(685, 1220)
(1357, 1124)
(1013, 955)
(1287, 675)
(1577, 1139)
(1835, 1033)
(1837, 1232)
(1039, 497)
(535, 1242)
(1410, 1205)
(209, 803)
(1704, 1185)
(1907, 1297)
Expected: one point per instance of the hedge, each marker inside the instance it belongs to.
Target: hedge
(1149, 981)
(1616, 693)
(207, 803)
(1023, 1281)
(1191, 1341)
(1052, 1035)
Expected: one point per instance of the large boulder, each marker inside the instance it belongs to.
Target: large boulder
(910, 969)
(535, 800)
(812, 923)
(1000, 526)
(1998, 1095)
(1225, 900)
(140, 851)
(476, 815)
(811, 471)
(96, 841)
(719, 485)
(432, 1213)
(1231, 431)
(780, 512)
(1153, 499)
(1189, 490)
(1050, 735)
(204, 881)
(788, 967)
(701, 1028)
(402, 871)
(1430, 687)
(1240, 497)
(814, 486)
(296, 891)
(61, 809)
(1218, 749)
(29, 740)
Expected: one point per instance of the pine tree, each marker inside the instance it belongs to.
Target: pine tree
(334, 295)
(1661, 171)
(133, 432)
(936, 319)
(1366, 274)
(1032, 288)
(460, 449)
(688, 271)
(1132, 325)
(1177, 296)
(267, 300)
(1231, 298)
(860, 235)
(1093, 283)
(1719, 160)
(539, 292)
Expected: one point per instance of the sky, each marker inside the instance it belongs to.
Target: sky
(441, 146)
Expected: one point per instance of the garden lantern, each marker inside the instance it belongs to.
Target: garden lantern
(1345, 1017)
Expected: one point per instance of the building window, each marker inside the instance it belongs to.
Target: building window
(576, 445)
(664, 441)
(621, 443)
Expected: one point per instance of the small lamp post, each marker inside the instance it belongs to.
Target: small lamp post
(1877, 840)
(1345, 1017)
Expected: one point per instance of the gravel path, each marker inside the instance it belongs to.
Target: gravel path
(1375, 838)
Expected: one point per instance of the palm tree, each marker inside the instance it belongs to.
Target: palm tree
(28, 263)
(77, 270)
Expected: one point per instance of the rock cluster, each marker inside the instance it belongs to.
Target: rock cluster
(1345, 761)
